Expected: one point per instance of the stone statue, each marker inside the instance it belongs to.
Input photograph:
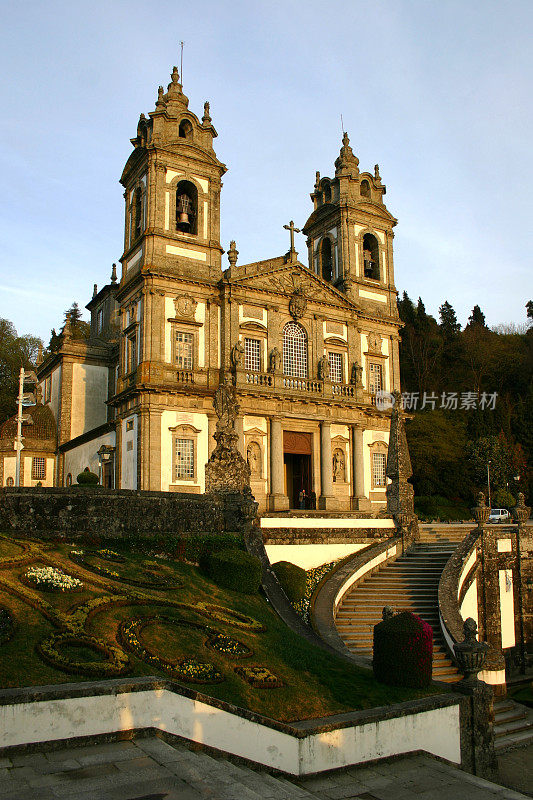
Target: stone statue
(226, 407)
(356, 377)
(338, 466)
(227, 471)
(253, 458)
(275, 360)
(323, 368)
(237, 352)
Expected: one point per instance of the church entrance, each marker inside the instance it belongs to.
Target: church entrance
(297, 459)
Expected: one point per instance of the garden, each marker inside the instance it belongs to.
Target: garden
(71, 612)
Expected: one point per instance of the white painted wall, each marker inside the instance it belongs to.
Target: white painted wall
(308, 556)
(86, 455)
(28, 480)
(436, 731)
(55, 377)
(129, 456)
(10, 468)
(507, 607)
(89, 393)
(469, 604)
(170, 419)
(326, 522)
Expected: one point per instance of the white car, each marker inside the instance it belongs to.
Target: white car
(499, 515)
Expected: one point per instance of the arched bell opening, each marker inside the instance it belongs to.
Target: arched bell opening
(371, 257)
(187, 207)
(185, 130)
(365, 190)
(137, 216)
(326, 259)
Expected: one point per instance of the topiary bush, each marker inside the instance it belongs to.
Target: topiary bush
(199, 547)
(233, 569)
(292, 580)
(403, 651)
(87, 478)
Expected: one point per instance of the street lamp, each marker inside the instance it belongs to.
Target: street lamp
(488, 480)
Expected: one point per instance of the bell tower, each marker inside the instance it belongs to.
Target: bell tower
(172, 183)
(350, 234)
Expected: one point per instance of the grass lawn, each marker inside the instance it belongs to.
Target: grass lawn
(137, 614)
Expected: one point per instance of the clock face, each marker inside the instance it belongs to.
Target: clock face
(185, 306)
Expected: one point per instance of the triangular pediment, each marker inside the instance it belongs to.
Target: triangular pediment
(290, 278)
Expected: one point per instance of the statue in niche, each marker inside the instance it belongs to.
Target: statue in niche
(357, 374)
(323, 368)
(237, 352)
(253, 457)
(275, 360)
(339, 471)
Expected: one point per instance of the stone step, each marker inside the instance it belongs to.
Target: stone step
(520, 739)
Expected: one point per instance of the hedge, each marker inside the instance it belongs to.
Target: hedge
(233, 569)
(292, 580)
(87, 478)
(403, 651)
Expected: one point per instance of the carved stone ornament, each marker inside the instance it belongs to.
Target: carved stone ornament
(470, 654)
(185, 306)
(374, 342)
(297, 304)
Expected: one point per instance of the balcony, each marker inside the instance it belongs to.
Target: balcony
(276, 383)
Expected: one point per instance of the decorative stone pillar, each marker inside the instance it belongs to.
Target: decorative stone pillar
(359, 500)
(524, 569)
(211, 427)
(239, 430)
(326, 501)
(278, 500)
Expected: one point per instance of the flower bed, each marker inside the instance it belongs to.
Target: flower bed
(228, 646)
(51, 579)
(154, 582)
(50, 650)
(259, 677)
(228, 615)
(186, 669)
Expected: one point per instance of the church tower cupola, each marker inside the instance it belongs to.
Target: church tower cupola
(172, 183)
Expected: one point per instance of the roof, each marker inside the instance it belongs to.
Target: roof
(43, 426)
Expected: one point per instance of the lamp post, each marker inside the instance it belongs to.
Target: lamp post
(488, 481)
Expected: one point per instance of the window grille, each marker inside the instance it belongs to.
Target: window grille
(294, 350)
(183, 353)
(99, 320)
(378, 469)
(184, 459)
(132, 352)
(335, 367)
(38, 469)
(375, 377)
(252, 354)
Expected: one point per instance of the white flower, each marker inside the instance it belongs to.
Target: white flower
(52, 577)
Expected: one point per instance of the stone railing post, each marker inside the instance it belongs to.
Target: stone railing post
(477, 713)
(524, 577)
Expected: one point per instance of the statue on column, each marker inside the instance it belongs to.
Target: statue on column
(226, 471)
(323, 368)
(356, 378)
(275, 360)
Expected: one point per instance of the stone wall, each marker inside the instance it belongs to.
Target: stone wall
(110, 513)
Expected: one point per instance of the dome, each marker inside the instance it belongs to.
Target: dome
(42, 425)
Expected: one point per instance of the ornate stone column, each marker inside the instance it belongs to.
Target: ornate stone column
(524, 569)
(359, 500)
(278, 500)
(326, 501)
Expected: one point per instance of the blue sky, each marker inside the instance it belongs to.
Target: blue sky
(438, 93)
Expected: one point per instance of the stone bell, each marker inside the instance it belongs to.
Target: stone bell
(183, 211)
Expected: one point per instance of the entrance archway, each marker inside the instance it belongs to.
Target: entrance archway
(297, 453)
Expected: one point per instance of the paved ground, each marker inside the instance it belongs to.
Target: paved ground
(150, 769)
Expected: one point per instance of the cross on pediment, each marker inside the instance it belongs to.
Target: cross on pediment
(290, 227)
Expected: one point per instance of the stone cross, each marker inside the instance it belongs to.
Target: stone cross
(290, 227)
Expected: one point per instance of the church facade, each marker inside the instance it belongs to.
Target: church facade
(308, 346)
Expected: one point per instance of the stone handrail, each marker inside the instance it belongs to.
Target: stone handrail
(460, 565)
(329, 594)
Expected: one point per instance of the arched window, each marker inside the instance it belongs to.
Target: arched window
(326, 259)
(294, 350)
(187, 207)
(185, 130)
(137, 217)
(327, 192)
(365, 189)
(371, 256)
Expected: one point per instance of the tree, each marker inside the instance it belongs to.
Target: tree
(15, 352)
(477, 317)
(448, 320)
(79, 329)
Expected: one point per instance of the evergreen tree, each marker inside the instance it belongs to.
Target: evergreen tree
(477, 317)
(448, 320)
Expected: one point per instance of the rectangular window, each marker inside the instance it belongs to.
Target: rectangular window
(132, 352)
(38, 469)
(47, 389)
(252, 354)
(184, 463)
(183, 350)
(129, 425)
(375, 377)
(335, 367)
(378, 469)
(99, 320)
